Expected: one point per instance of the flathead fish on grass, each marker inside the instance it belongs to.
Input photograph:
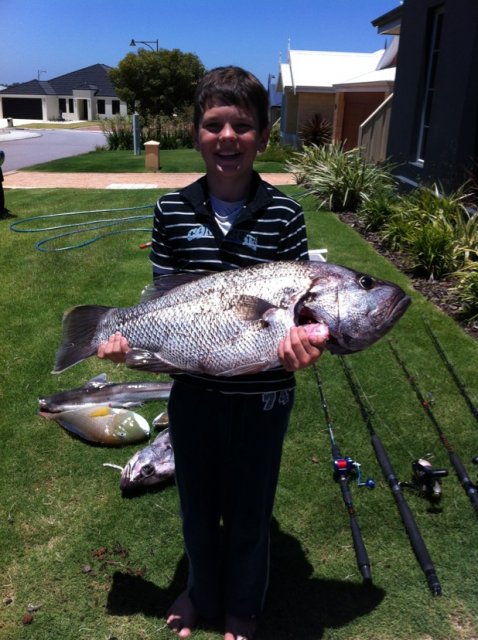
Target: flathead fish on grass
(231, 322)
(99, 391)
(103, 424)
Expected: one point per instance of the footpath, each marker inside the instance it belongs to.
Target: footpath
(154, 180)
(45, 180)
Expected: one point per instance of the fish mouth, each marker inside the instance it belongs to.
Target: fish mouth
(397, 308)
(304, 315)
(49, 415)
(125, 478)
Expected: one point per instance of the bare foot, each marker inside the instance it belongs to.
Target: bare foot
(181, 616)
(240, 628)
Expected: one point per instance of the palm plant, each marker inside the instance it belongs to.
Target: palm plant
(317, 130)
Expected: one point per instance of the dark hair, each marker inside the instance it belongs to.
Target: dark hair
(233, 86)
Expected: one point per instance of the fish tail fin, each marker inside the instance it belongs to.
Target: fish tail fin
(80, 326)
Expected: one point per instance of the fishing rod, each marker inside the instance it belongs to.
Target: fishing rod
(451, 369)
(344, 468)
(470, 489)
(418, 545)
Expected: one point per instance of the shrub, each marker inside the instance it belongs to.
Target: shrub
(300, 163)
(467, 291)
(435, 230)
(431, 250)
(118, 133)
(276, 151)
(170, 132)
(274, 138)
(377, 211)
(341, 180)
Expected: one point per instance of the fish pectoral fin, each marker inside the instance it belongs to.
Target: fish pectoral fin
(252, 308)
(145, 360)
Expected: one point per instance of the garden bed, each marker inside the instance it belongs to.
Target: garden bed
(440, 292)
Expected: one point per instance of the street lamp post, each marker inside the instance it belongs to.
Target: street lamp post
(134, 43)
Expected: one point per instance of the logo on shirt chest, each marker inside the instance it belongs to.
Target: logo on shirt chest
(236, 236)
(199, 232)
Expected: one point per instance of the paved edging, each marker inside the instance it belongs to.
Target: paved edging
(45, 180)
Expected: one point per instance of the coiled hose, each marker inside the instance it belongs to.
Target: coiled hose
(86, 226)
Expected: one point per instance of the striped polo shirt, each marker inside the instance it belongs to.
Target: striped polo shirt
(187, 237)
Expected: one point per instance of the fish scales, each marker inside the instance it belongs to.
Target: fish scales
(231, 322)
(186, 328)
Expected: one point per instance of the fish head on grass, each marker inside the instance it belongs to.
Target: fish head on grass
(358, 309)
(150, 466)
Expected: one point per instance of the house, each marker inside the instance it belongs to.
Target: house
(86, 94)
(275, 100)
(309, 81)
(356, 99)
(433, 132)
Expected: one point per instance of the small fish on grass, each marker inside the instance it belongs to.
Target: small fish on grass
(100, 411)
(231, 323)
(103, 424)
(99, 390)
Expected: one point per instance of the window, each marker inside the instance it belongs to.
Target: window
(71, 106)
(101, 107)
(436, 26)
(115, 107)
(62, 105)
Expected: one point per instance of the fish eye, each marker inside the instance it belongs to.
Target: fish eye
(366, 282)
(147, 470)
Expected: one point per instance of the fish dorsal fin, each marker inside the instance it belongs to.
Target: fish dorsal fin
(252, 308)
(164, 284)
(96, 382)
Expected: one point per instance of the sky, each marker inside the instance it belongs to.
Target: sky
(48, 38)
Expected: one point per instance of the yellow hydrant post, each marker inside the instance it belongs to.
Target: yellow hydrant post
(152, 155)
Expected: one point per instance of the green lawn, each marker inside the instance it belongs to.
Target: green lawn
(100, 566)
(171, 161)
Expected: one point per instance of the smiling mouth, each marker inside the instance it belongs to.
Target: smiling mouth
(228, 156)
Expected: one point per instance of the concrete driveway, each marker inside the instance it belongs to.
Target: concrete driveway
(24, 147)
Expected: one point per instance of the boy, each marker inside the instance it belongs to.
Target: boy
(227, 433)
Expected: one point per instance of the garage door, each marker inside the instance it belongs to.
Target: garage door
(22, 108)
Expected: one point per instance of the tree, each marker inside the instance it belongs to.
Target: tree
(157, 82)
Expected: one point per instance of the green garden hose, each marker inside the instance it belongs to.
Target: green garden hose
(86, 226)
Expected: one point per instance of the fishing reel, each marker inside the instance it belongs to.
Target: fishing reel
(426, 480)
(348, 468)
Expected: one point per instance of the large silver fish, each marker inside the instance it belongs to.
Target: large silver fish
(231, 322)
(103, 424)
(150, 466)
(99, 391)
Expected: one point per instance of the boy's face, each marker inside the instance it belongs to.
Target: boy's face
(229, 139)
